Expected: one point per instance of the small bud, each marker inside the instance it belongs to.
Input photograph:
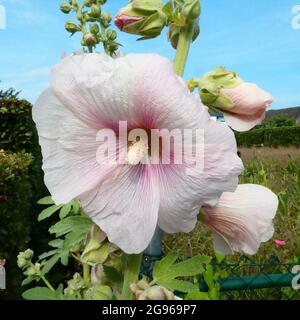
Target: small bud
(94, 28)
(111, 35)
(106, 17)
(28, 254)
(66, 7)
(22, 263)
(191, 9)
(71, 27)
(89, 39)
(95, 11)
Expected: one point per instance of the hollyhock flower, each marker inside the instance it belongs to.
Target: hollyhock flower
(90, 92)
(242, 219)
(243, 104)
(280, 243)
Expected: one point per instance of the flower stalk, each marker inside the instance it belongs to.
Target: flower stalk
(183, 48)
(131, 275)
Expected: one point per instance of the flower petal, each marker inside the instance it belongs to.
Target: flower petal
(126, 207)
(243, 219)
(183, 194)
(69, 150)
(242, 123)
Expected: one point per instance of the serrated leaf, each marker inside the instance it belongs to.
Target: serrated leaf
(50, 263)
(46, 200)
(48, 212)
(166, 271)
(65, 210)
(57, 243)
(71, 224)
(47, 254)
(40, 293)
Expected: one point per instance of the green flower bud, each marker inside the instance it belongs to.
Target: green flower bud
(99, 293)
(212, 83)
(89, 39)
(191, 9)
(66, 7)
(71, 27)
(95, 11)
(94, 28)
(22, 263)
(106, 17)
(88, 3)
(142, 17)
(28, 254)
(77, 283)
(111, 35)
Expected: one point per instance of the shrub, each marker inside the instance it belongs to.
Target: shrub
(270, 137)
(15, 212)
(25, 186)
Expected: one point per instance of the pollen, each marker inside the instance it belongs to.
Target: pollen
(137, 151)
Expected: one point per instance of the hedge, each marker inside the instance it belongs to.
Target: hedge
(21, 186)
(270, 137)
(15, 212)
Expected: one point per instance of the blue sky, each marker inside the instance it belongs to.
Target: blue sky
(254, 38)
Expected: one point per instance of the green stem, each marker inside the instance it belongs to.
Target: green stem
(86, 274)
(183, 48)
(133, 264)
(47, 283)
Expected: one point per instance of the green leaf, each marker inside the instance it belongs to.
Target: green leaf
(57, 243)
(65, 210)
(166, 271)
(46, 200)
(113, 275)
(197, 296)
(47, 254)
(27, 280)
(46, 213)
(50, 263)
(71, 224)
(75, 206)
(40, 293)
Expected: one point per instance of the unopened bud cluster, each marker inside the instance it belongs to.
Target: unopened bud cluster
(92, 23)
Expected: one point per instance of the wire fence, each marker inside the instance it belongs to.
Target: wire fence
(247, 279)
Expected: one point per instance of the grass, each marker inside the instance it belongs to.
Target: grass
(278, 170)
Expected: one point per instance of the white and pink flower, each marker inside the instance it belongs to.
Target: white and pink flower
(90, 92)
(242, 220)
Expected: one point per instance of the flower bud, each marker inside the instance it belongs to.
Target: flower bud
(156, 293)
(66, 7)
(111, 35)
(98, 275)
(22, 262)
(243, 104)
(71, 27)
(106, 17)
(191, 9)
(28, 254)
(89, 39)
(94, 28)
(142, 17)
(95, 11)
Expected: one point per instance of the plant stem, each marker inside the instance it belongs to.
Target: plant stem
(47, 283)
(183, 48)
(133, 264)
(86, 274)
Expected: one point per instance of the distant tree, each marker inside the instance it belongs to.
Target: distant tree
(277, 121)
(9, 93)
